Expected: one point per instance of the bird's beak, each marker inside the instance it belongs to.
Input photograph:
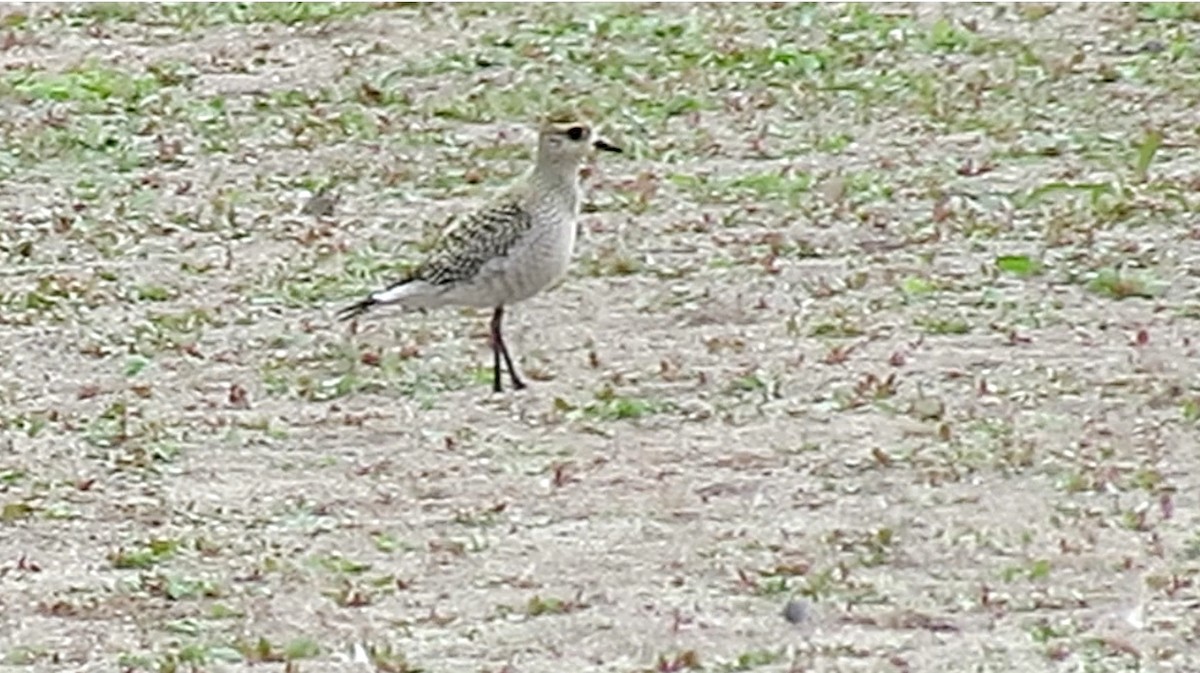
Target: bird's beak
(605, 146)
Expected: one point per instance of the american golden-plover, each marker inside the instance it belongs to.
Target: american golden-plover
(507, 251)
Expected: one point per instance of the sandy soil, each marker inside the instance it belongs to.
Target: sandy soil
(745, 396)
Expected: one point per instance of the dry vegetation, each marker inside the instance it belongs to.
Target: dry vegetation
(889, 312)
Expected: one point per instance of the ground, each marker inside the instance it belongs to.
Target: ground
(887, 313)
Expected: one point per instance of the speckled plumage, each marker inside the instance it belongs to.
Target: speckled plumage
(483, 235)
(507, 251)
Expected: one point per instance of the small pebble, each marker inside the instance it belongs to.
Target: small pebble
(797, 611)
(321, 204)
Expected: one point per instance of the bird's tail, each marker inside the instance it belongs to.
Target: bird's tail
(356, 309)
(405, 292)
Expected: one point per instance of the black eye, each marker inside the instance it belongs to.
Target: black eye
(576, 132)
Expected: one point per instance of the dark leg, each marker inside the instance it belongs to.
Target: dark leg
(496, 387)
(500, 350)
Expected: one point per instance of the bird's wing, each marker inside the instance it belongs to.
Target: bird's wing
(459, 253)
(474, 240)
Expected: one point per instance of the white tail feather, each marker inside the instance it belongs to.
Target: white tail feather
(413, 294)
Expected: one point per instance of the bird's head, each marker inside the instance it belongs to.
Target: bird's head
(569, 141)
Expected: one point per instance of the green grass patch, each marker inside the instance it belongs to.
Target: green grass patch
(1116, 284)
(195, 15)
(1022, 266)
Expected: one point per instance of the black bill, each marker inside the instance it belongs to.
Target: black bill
(604, 146)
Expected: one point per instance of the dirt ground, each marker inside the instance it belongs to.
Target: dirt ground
(886, 319)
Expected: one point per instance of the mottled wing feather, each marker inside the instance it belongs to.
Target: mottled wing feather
(481, 236)
(461, 251)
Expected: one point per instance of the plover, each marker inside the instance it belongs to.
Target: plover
(509, 250)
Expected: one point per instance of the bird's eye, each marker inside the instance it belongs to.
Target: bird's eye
(576, 132)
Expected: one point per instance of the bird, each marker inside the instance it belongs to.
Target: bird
(518, 244)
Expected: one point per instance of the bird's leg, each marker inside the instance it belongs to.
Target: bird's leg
(496, 387)
(498, 350)
(494, 337)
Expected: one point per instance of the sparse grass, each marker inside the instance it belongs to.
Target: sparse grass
(609, 406)
(90, 87)
(538, 606)
(28, 655)
(145, 556)
(942, 324)
(751, 660)
(1021, 266)
(1122, 285)
(198, 15)
(773, 186)
(844, 319)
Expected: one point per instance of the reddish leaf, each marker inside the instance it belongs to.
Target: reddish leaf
(237, 397)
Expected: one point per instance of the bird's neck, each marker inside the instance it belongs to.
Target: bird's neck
(557, 180)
